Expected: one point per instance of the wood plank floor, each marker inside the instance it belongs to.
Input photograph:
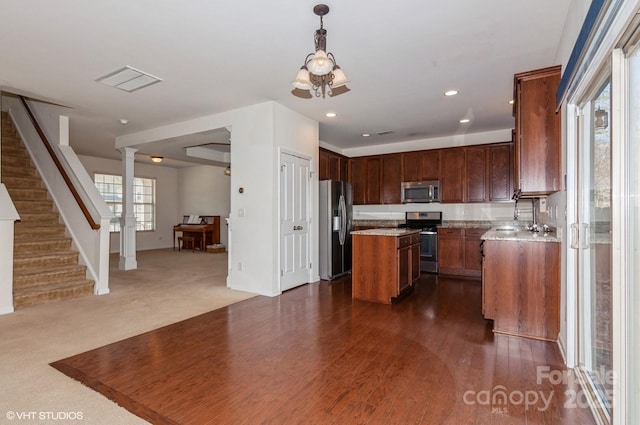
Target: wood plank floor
(314, 356)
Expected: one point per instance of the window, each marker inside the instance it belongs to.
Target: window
(144, 200)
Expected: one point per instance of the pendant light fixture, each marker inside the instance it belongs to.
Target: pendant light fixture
(320, 71)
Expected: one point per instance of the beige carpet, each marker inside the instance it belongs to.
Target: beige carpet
(167, 287)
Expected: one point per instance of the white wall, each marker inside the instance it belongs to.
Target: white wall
(204, 190)
(166, 200)
(258, 132)
(558, 201)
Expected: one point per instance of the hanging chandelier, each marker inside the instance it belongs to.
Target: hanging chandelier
(320, 71)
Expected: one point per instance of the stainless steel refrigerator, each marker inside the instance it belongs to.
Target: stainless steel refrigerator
(336, 205)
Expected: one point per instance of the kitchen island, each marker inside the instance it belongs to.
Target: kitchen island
(386, 263)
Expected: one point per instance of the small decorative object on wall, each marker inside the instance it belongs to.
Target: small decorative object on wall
(320, 71)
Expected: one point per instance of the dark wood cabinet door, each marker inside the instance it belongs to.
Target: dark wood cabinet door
(430, 164)
(344, 169)
(450, 251)
(475, 174)
(415, 262)
(359, 180)
(323, 165)
(391, 178)
(404, 268)
(539, 155)
(334, 167)
(374, 175)
(452, 174)
(500, 172)
(412, 166)
(472, 251)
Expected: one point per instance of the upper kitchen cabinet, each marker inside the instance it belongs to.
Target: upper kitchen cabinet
(500, 167)
(421, 165)
(332, 166)
(366, 176)
(391, 178)
(537, 143)
(411, 167)
(452, 175)
(475, 168)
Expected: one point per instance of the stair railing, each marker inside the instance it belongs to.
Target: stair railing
(59, 166)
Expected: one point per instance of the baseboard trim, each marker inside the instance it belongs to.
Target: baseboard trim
(6, 310)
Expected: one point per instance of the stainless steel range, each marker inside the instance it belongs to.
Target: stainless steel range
(428, 223)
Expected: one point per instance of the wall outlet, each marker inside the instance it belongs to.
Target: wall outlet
(543, 205)
(240, 212)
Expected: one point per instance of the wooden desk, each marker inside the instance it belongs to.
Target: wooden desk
(204, 234)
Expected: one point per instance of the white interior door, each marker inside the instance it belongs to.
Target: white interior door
(295, 259)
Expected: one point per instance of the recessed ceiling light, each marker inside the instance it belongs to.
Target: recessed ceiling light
(331, 114)
(124, 121)
(511, 102)
(365, 135)
(465, 120)
(451, 93)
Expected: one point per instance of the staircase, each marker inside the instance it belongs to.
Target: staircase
(45, 268)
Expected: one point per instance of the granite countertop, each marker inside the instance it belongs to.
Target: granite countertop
(377, 222)
(467, 223)
(386, 232)
(520, 234)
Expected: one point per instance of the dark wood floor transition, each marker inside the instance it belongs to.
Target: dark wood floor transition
(314, 356)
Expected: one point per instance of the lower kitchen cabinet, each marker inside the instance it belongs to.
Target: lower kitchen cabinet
(459, 252)
(386, 263)
(521, 287)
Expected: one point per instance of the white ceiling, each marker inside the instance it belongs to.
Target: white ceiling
(215, 56)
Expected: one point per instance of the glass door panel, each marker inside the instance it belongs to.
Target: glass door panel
(595, 257)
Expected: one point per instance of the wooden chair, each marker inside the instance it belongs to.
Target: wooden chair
(186, 242)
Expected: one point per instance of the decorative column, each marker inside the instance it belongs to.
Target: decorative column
(128, 219)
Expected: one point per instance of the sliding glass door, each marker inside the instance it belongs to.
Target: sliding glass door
(633, 227)
(595, 245)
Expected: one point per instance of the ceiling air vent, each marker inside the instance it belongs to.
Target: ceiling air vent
(128, 79)
(384, 133)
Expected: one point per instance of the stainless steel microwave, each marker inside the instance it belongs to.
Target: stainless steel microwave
(420, 192)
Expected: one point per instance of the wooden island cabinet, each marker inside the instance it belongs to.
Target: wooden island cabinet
(386, 263)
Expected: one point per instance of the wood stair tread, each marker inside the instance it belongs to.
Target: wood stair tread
(49, 270)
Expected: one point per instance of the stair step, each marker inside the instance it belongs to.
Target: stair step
(39, 260)
(22, 182)
(25, 231)
(42, 245)
(42, 206)
(10, 150)
(48, 275)
(16, 161)
(39, 218)
(53, 292)
(12, 170)
(28, 194)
